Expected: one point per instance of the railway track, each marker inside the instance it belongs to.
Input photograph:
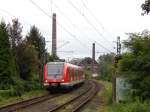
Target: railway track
(75, 103)
(23, 104)
(78, 98)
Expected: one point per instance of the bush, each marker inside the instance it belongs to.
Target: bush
(135, 64)
(31, 85)
(131, 107)
(106, 68)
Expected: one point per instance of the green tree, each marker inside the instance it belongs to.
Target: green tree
(51, 57)
(146, 7)
(28, 62)
(36, 39)
(135, 64)
(106, 66)
(15, 33)
(7, 69)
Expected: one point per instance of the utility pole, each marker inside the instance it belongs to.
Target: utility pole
(54, 38)
(118, 46)
(117, 57)
(93, 58)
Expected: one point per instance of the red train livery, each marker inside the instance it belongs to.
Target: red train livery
(62, 74)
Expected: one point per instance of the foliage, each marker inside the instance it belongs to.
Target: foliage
(146, 7)
(21, 60)
(15, 34)
(106, 66)
(28, 62)
(136, 106)
(35, 38)
(135, 64)
(109, 106)
(15, 31)
(7, 68)
(52, 57)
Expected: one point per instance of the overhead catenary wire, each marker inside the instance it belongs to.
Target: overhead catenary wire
(88, 21)
(88, 9)
(69, 20)
(13, 16)
(92, 15)
(76, 26)
(72, 35)
(10, 14)
(103, 47)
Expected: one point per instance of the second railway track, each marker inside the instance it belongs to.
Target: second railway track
(76, 99)
(23, 104)
(75, 103)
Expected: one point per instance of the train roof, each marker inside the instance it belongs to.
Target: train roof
(56, 62)
(69, 64)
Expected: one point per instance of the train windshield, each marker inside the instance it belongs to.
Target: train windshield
(55, 69)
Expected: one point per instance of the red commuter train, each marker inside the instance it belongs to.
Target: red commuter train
(62, 74)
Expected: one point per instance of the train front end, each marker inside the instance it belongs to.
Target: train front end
(54, 74)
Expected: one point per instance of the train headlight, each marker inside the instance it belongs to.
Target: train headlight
(62, 80)
(46, 80)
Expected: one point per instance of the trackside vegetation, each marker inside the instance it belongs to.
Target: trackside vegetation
(21, 59)
(108, 106)
(135, 66)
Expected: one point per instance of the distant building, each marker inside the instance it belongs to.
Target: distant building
(86, 63)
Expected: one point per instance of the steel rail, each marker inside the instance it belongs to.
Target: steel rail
(85, 100)
(23, 104)
(88, 94)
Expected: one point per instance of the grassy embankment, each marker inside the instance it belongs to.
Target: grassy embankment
(6, 99)
(109, 106)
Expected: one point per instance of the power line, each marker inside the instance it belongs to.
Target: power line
(92, 14)
(103, 47)
(7, 13)
(13, 16)
(76, 26)
(85, 17)
(68, 19)
(88, 9)
(40, 8)
(64, 27)
(57, 23)
(64, 14)
(87, 21)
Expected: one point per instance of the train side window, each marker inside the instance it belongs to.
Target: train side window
(77, 73)
(72, 73)
(81, 74)
(69, 72)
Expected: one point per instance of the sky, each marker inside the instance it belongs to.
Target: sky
(79, 22)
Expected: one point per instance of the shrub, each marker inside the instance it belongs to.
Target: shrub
(136, 106)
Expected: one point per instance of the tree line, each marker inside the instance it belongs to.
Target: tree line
(134, 64)
(21, 57)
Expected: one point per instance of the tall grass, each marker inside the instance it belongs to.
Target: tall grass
(109, 106)
(136, 106)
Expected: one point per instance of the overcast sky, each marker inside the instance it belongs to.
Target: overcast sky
(77, 29)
